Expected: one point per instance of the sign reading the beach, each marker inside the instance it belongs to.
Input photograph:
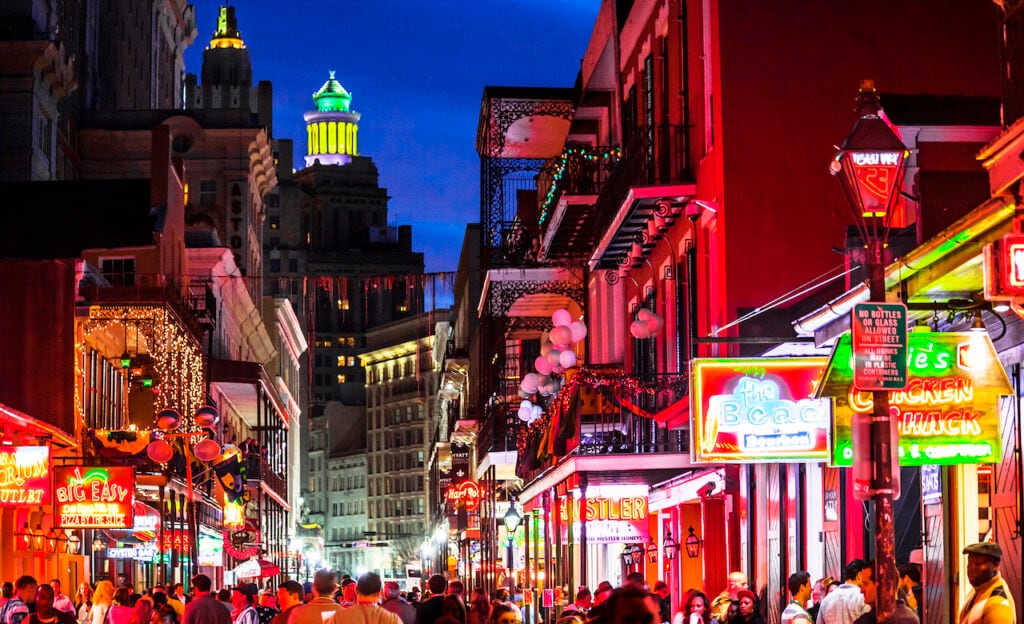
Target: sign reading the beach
(758, 410)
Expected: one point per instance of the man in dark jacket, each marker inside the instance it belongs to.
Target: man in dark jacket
(429, 610)
(204, 608)
(394, 603)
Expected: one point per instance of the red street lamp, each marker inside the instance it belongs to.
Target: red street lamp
(870, 165)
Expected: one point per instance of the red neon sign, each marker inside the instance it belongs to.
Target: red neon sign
(24, 476)
(94, 497)
(467, 492)
(603, 508)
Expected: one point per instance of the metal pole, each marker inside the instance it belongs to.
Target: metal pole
(881, 459)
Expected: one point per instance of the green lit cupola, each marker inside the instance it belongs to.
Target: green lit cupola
(332, 97)
(332, 130)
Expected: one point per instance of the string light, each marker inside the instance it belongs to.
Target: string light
(177, 358)
(581, 153)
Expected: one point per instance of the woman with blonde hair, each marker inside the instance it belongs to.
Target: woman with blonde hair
(83, 602)
(102, 599)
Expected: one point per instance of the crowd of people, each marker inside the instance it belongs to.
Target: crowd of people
(367, 600)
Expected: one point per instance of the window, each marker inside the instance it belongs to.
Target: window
(293, 265)
(275, 222)
(275, 265)
(118, 271)
(207, 192)
(351, 360)
(343, 304)
(342, 379)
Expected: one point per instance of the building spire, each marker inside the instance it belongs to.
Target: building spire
(227, 35)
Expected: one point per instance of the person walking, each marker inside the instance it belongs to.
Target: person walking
(799, 584)
(990, 600)
(289, 596)
(430, 609)
(729, 595)
(102, 600)
(366, 610)
(846, 603)
(748, 613)
(479, 607)
(204, 607)
(322, 609)
(243, 599)
(120, 612)
(83, 602)
(45, 612)
(394, 603)
(60, 601)
(18, 608)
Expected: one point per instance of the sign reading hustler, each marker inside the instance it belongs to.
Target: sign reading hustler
(756, 410)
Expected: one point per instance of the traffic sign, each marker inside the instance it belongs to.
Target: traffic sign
(879, 346)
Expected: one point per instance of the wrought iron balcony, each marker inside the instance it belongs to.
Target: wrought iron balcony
(653, 156)
(257, 469)
(598, 423)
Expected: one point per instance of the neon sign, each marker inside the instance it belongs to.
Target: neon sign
(602, 508)
(755, 410)
(947, 414)
(24, 476)
(94, 498)
(1004, 268)
(876, 173)
(143, 553)
(467, 493)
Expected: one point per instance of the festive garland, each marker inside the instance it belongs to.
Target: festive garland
(614, 379)
(545, 211)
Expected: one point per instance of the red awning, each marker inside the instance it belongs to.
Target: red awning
(17, 422)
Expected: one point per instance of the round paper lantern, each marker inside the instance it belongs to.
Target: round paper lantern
(567, 359)
(529, 383)
(160, 451)
(525, 411)
(578, 329)
(542, 365)
(655, 323)
(536, 413)
(206, 450)
(553, 356)
(643, 314)
(168, 420)
(546, 348)
(523, 394)
(561, 335)
(558, 370)
(639, 330)
(207, 416)
(561, 317)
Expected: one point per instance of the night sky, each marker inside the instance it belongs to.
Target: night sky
(416, 71)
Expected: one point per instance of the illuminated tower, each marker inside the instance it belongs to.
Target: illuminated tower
(332, 130)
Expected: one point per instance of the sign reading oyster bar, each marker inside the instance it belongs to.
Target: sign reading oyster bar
(94, 497)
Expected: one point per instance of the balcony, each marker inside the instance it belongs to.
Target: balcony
(192, 305)
(257, 469)
(568, 187)
(599, 425)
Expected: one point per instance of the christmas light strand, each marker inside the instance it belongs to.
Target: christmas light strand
(572, 153)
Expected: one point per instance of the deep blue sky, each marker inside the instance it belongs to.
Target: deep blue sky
(416, 71)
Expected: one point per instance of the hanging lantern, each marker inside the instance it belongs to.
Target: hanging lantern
(74, 543)
(559, 318)
(207, 416)
(168, 420)
(206, 450)
(160, 451)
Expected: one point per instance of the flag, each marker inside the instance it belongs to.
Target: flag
(229, 474)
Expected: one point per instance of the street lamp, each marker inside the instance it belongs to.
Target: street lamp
(637, 552)
(870, 165)
(74, 543)
(670, 546)
(692, 545)
(652, 550)
(512, 522)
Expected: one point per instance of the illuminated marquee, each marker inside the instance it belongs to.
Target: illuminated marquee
(602, 508)
(609, 520)
(758, 410)
(1004, 268)
(94, 497)
(24, 476)
(467, 493)
(947, 414)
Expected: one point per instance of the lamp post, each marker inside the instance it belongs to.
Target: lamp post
(512, 522)
(870, 165)
(692, 545)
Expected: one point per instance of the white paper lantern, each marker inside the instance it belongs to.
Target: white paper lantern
(655, 323)
(561, 335)
(561, 317)
(542, 365)
(639, 330)
(578, 329)
(567, 359)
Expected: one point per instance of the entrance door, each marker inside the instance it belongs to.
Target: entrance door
(936, 586)
(776, 558)
(1006, 503)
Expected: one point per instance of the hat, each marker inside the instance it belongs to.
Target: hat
(746, 593)
(917, 556)
(987, 549)
(249, 589)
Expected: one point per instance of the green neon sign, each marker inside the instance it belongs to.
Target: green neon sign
(949, 411)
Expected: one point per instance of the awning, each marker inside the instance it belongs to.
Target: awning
(257, 568)
(20, 422)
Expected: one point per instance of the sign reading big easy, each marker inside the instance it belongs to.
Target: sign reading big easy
(89, 497)
(758, 410)
(947, 414)
(24, 475)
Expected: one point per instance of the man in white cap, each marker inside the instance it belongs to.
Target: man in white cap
(990, 600)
